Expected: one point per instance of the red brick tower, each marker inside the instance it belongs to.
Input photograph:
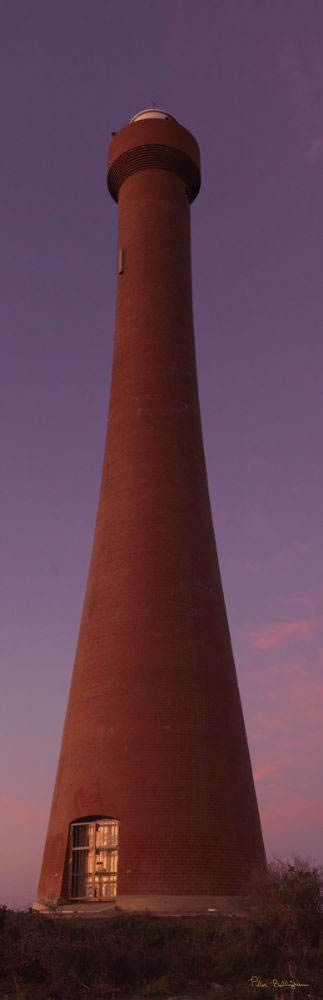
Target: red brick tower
(154, 803)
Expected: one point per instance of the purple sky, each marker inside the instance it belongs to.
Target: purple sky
(247, 80)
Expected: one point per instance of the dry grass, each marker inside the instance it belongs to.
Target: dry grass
(139, 955)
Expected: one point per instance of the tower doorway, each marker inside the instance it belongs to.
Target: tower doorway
(94, 859)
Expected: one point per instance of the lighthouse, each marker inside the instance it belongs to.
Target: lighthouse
(154, 805)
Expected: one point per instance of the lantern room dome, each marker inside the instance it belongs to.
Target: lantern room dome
(151, 113)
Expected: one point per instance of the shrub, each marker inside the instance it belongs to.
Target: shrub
(137, 955)
(286, 904)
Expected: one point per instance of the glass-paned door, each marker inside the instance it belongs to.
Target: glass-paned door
(94, 850)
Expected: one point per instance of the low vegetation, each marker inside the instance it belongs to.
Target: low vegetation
(140, 955)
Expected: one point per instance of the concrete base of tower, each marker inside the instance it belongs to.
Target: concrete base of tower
(157, 905)
(181, 905)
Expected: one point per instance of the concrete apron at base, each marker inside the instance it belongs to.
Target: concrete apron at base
(159, 905)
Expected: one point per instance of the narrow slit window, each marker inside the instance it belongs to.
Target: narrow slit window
(121, 260)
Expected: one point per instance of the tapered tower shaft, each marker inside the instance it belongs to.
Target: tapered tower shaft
(154, 737)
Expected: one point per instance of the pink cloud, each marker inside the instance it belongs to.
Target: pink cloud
(20, 812)
(22, 833)
(289, 718)
(285, 731)
(273, 635)
(315, 149)
(313, 599)
(298, 715)
(291, 812)
(267, 769)
(289, 669)
(300, 71)
(258, 525)
(288, 55)
(307, 698)
(290, 552)
(246, 567)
